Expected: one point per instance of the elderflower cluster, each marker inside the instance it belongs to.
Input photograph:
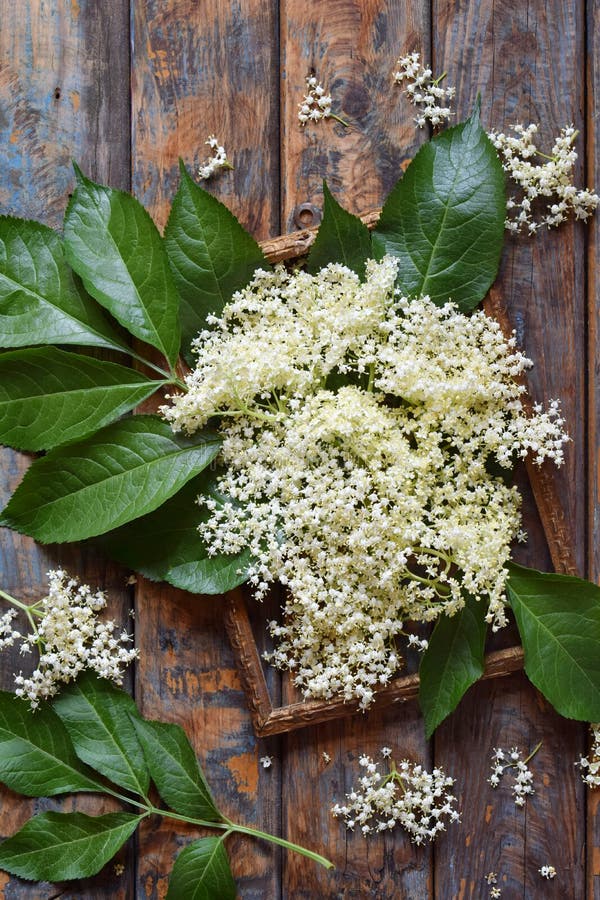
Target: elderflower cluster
(523, 781)
(360, 429)
(591, 764)
(407, 796)
(547, 872)
(217, 161)
(547, 194)
(316, 104)
(69, 638)
(423, 91)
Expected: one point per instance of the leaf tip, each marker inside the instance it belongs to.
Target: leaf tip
(78, 173)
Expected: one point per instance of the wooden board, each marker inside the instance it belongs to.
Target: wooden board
(238, 70)
(510, 54)
(64, 94)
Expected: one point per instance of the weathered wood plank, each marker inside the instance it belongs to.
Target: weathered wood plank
(64, 89)
(200, 69)
(527, 62)
(352, 48)
(593, 370)
(64, 94)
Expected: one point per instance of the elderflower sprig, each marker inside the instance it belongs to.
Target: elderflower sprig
(512, 759)
(316, 104)
(217, 161)
(424, 91)
(407, 796)
(590, 764)
(547, 195)
(68, 637)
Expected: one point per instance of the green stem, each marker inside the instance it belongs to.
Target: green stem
(253, 832)
(168, 376)
(251, 414)
(337, 119)
(533, 752)
(371, 381)
(226, 825)
(28, 610)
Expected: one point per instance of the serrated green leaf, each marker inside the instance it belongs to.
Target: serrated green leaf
(60, 846)
(558, 617)
(211, 256)
(444, 219)
(202, 872)
(113, 244)
(165, 544)
(97, 716)
(49, 397)
(40, 300)
(341, 238)
(175, 771)
(124, 471)
(36, 754)
(452, 662)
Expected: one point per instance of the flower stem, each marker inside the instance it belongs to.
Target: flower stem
(304, 851)
(28, 610)
(337, 119)
(533, 752)
(225, 825)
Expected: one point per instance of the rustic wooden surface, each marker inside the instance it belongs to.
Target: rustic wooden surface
(71, 87)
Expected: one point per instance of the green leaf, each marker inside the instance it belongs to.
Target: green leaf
(175, 770)
(211, 256)
(165, 544)
(558, 617)
(40, 300)
(49, 397)
(452, 662)
(97, 716)
(124, 471)
(341, 238)
(36, 755)
(202, 872)
(114, 245)
(60, 846)
(444, 219)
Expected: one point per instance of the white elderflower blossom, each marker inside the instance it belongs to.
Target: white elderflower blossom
(546, 192)
(523, 777)
(68, 636)
(547, 872)
(359, 432)
(316, 104)
(407, 796)
(217, 161)
(591, 764)
(423, 91)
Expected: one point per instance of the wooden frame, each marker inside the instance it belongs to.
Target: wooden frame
(268, 719)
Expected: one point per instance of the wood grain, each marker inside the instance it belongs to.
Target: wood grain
(64, 94)
(352, 47)
(238, 70)
(200, 69)
(593, 305)
(527, 63)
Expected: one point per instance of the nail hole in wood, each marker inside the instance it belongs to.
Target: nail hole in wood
(57, 94)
